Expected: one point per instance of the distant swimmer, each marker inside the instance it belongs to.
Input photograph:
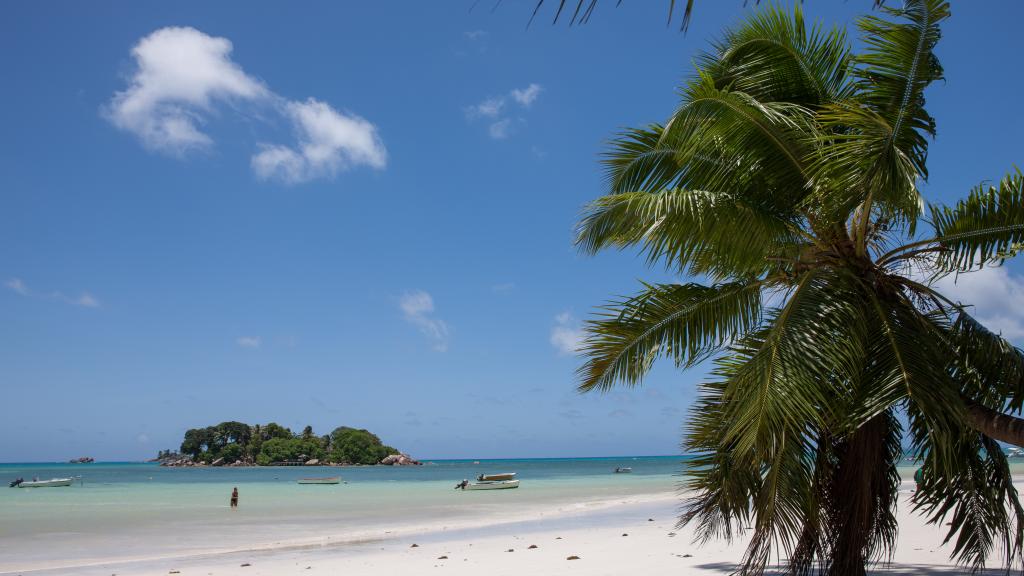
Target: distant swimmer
(234, 497)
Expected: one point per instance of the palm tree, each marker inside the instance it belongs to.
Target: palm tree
(788, 179)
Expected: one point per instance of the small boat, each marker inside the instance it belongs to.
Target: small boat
(493, 485)
(327, 480)
(623, 470)
(52, 482)
(496, 477)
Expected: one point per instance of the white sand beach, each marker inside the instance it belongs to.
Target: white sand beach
(632, 535)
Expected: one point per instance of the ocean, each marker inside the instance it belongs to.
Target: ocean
(127, 511)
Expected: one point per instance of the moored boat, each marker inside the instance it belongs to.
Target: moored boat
(493, 485)
(327, 480)
(52, 482)
(623, 470)
(496, 477)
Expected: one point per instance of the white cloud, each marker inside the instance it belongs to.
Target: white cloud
(527, 95)
(567, 334)
(180, 73)
(475, 34)
(17, 285)
(418, 309)
(500, 129)
(503, 288)
(329, 141)
(250, 341)
(86, 300)
(183, 77)
(995, 297)
(495, 107)
(489, 108)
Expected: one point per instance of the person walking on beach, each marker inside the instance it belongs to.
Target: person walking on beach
(234, 497)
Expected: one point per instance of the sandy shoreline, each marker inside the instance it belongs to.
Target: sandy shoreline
(616, 536)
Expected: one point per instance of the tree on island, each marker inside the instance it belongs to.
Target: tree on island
(788, 178)
(231, 442)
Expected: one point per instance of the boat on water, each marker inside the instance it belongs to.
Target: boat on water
(327, 480)
(52, 482)
(493, 485)
(626, 470)
(496, 477)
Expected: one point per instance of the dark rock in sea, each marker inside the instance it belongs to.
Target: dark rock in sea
(82, 460)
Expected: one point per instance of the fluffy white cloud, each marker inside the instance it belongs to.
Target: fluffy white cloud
(567, 334)
(329, 142)
(418, 309)
(180, 74)
(250, 341)
(183, 77)
(495, 108)
(85, 300)
(527, 95)
(995, 297)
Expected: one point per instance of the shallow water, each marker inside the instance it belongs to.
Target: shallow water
(131, 510)
(124, 510)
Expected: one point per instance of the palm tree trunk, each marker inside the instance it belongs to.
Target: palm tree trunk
(996, 425)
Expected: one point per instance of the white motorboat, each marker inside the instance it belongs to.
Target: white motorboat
(493, 485)
(327, 480)
(52, 482)
(623, 470)
(496, 477)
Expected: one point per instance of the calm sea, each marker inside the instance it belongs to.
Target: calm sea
(125, 511)
(133, 510)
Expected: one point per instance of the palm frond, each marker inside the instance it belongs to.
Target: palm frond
(685, 322)
(775, 57)
(978, 497)
(691, 230)
(986, 227)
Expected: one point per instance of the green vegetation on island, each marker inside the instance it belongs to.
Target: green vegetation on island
(241, 444)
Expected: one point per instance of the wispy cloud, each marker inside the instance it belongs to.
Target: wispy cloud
(17, 286)
(567, 334)
(501, 129)
(995, 297)
(85, 299)
(475, 34)
(249, 341)
(526, 96)
(503, 288)
(418, 309)
(497, 111)
(184, 77)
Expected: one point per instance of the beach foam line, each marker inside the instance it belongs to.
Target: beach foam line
(357, 538)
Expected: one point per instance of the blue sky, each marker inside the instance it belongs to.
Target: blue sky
(361, 214)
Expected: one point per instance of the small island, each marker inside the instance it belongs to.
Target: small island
(241, 444)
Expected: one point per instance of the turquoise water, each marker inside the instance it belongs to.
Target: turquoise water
(123, 511)
(126, 510)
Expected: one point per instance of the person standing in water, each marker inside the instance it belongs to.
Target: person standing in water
(234, 497)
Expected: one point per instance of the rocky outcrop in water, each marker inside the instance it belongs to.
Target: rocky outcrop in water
(400, 460)
(82, 460)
